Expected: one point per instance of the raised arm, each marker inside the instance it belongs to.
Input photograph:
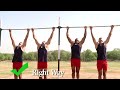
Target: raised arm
(84, 37)
(13, 43)
(37, 43)
(50, 38)
(25, 40)
(69, 39)
(110, 33)
(94, 40)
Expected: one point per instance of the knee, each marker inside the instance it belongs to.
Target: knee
(73, 71)
(77, 71)
(104, 73)
(100, 73)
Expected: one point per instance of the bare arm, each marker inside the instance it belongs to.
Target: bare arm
(50, 38)
(37, 43)
(25, 40)
(69, 39)
(13, 43)
(110, 33)
(85, 34)
(94, 40)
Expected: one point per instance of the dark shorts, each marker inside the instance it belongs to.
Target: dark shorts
(102, 64)
(75, 62)
(42, 65)
(17, 65)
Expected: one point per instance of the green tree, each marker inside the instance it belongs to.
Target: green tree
(50, 56)
(2, 57)
(55, 55)
(88, 55)
(114, 55)
(64, 55)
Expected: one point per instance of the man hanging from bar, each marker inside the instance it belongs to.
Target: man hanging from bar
(100, 46)
(75, 53)
(42, 53)
(18, 51)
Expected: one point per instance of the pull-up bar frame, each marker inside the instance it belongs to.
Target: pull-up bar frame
(59, 27)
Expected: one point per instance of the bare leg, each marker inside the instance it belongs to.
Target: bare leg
(104, 74)
(77, 72)
(15, 76)
(105, 70)
(45, 76)
(40, 77)
(99, 74)
(20, 76)
(73, 72)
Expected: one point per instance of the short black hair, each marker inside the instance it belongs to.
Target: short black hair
(20, 42)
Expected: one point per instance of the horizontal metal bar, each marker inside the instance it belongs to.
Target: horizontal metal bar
(30, 28)
(100, 26)
(89, 26)
(61, 27)
(105, 26)
(74, 27)
(14, 29)
(45, 28)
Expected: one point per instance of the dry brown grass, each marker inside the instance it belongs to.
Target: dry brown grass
(88, 70)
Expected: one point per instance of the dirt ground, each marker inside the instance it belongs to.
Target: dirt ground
(67, 75)
(87, 71)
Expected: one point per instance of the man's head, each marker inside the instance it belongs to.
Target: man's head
(20, 44)
(100, 40)
(76, 40)
(43, 43)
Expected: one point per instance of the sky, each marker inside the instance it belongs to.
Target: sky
(37, 19)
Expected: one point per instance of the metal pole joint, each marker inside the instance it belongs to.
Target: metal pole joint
(59, 27)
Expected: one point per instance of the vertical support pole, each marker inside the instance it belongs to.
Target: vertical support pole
(59, 48)
(59, 45)
(0, 32)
